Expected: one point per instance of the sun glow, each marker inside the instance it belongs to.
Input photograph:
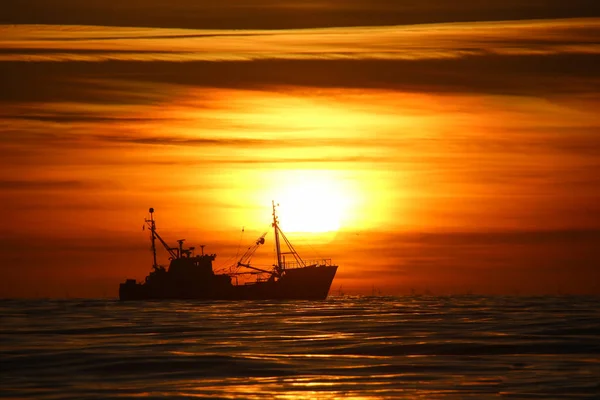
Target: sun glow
(314, 201)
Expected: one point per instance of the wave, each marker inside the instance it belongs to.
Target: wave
(370, 347)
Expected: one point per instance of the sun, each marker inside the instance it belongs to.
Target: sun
(313, 201)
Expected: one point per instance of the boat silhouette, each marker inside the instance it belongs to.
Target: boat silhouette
(192, 276)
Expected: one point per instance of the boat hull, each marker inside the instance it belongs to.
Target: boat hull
(307, 283)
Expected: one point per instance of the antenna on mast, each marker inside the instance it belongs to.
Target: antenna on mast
(152, 224)
(276, 229)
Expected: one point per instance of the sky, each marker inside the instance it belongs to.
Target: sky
(426, 147)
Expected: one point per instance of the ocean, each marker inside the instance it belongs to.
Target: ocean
(413, 347)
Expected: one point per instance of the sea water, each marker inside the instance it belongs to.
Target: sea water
(415, 347)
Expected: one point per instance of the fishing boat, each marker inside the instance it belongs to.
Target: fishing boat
(191, 276)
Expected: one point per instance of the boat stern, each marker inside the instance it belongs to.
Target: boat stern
(131, 290)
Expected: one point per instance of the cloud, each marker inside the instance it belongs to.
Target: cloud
(79, 118)
(46, 184)
(146, 66)
(423, 42)
(187, 141)
(152, 83)
(274, 14)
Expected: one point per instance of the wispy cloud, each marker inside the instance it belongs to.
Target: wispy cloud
(438, 41)
(276, 14)
(45, 184)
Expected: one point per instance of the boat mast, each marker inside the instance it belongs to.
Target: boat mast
(276, 229)
(153, 230)
(174, 252)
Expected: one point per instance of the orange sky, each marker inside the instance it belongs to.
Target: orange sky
(442, 157)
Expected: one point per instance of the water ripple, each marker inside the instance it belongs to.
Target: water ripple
(468, 347)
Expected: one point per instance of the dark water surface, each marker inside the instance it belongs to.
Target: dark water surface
(468, 347)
